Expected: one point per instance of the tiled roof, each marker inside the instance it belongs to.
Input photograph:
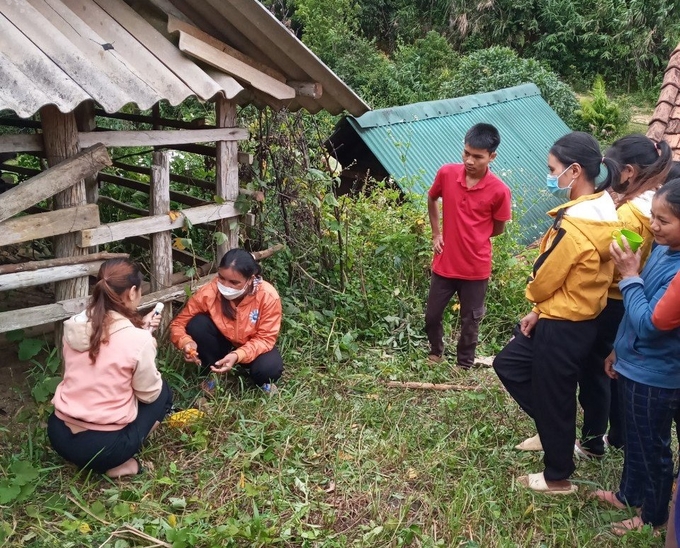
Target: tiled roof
(665, 122)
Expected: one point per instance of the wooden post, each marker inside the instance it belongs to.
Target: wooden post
(161, 242)
(85, 121)
(60, 137)
(226, 172)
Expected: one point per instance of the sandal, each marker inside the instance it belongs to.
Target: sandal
(536, 482)
(610, 498)
(582, 453)
(140, 467)
(530, 444)
(624, 527)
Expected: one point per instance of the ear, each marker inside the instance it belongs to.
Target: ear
(492, 156)
(628, 171)
(576, 170)
(132, 293)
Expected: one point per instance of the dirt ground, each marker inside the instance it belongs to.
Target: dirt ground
(14, 388)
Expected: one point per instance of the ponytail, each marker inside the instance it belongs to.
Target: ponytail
(613, 174)
(115, 277)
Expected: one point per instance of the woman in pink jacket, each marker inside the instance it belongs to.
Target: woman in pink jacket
(112, 396)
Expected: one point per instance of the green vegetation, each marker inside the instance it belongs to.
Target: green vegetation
(338, 458)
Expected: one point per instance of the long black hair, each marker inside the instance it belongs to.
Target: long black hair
(583, 149)
(652, 161)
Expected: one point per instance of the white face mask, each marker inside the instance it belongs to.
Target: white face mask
(230, 293)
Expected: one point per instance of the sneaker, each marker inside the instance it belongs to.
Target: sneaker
(208, 386)
(269, 388)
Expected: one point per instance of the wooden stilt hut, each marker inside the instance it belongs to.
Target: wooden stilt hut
(68, 65)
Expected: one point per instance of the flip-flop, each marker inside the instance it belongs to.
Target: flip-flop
(140, 468)
(609, 498)
(626, 526)
(582, 453)
(536, 482)
(530, 444)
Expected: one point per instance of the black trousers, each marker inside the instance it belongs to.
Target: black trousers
(541, 373)
(100, 451)
(471, 295)
(597, 396)
(213, 346)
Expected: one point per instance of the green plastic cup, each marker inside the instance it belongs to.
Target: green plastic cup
(633, 238)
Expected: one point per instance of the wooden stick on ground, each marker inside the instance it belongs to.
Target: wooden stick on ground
(432, 386)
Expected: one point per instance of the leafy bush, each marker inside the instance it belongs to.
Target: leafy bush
(604, 118)
(500, 67)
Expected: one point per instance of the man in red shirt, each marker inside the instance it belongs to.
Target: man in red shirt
(476, 205)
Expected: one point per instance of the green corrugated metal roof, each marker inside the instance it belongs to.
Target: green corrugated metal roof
(413, 141)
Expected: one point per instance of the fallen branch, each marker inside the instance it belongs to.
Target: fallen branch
(266, 253)
(432, 386)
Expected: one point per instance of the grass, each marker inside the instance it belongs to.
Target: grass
(336, 459)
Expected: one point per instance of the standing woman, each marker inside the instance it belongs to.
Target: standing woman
(644, 168)
(235, 319)
(646, 362)
(112, 396)
(540, 366)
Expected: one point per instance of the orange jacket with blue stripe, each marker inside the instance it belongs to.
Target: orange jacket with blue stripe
(254, 330)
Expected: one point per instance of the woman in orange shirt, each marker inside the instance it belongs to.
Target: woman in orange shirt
(235, 319)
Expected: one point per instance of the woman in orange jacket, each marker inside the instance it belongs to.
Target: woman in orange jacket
(235, 319)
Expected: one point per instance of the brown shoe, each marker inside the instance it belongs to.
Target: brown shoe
(433, 358)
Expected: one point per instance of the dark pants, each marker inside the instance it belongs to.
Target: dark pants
(595, 387)
(100, 451)
(541, 373)
(471, 295)
(647, 478)
(213, 346)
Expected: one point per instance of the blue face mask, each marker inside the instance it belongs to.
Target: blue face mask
(555, 189)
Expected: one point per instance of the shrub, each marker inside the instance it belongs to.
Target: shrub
(500, 67)
(604, 118)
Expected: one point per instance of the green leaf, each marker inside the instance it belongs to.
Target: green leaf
(24, 472)
(178, 503)
(9, 491)
(29, 348)
(330, 200)
(15, 336)
(218, 199)
(98, 509)
(220, 238)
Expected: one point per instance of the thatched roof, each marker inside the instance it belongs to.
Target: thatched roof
(665, 122)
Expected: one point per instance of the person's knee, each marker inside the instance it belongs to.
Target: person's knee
(267, 368)
(199, 325)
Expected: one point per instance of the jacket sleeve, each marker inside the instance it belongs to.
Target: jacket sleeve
(638, 308)
(146, 380)
(553, 270)
(666, 313)
(268, 327)
(198, 303)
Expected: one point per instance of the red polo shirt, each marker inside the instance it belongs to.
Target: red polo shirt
(467, 216)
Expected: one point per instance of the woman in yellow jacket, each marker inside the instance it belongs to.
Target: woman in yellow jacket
(235, 319)
(540, 366)
(644, 168)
